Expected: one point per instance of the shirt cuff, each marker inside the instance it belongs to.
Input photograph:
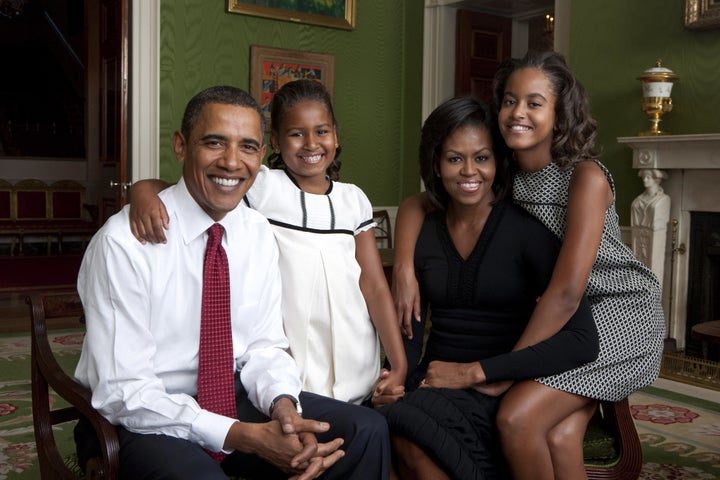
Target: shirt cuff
(209, 430)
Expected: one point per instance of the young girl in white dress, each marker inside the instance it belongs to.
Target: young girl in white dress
(336, 299)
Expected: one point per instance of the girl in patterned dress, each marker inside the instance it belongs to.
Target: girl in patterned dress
(544, 117)
(336, 300)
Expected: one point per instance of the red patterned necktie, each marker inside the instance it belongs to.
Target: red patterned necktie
(216, 388)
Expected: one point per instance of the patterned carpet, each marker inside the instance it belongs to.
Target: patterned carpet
(680, 435)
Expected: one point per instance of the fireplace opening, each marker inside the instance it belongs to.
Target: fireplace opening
(703, 279)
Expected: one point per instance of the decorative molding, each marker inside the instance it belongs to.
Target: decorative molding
(692, 163)
(686, 152)
(145, 89)
(438, 63)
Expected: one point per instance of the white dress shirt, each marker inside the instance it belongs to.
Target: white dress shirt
(142, 309)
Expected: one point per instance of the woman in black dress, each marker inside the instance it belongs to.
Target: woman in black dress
(481, 263)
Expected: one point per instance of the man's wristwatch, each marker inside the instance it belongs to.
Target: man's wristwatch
(298, 407)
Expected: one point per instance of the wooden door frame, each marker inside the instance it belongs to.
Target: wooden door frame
(142, 124)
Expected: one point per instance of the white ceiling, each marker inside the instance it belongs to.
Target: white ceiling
(517, 9)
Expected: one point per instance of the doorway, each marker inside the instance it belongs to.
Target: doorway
(63, 98)
(483, 42)
(440, 35)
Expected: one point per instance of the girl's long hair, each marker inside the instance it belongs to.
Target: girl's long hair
(575, 130)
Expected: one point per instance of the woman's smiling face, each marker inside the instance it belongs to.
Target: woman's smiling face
(467, 166)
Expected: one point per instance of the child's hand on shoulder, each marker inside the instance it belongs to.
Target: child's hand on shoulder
(148, 216)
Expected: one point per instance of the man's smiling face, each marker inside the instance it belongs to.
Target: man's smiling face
(221, 156)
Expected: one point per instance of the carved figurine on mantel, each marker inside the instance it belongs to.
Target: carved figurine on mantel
(649, 217)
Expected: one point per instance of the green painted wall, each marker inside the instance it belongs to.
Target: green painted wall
(378, 71)
(611, 43)
(378, 78)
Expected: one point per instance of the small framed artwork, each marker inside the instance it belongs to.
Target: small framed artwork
(326, 13)
(271, 68)
(702, 14)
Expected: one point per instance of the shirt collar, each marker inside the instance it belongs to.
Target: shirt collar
(194, 221)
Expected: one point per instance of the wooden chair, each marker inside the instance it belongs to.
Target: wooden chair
(45, 374)
(613, 430)
(7, 207)
(383, 230)
(70, 215)
(32, 211)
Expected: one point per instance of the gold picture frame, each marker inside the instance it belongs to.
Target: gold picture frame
(271, 68)
(702, 14)
(342, 17)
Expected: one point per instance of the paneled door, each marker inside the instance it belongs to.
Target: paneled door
(113, 108)
(482, 42)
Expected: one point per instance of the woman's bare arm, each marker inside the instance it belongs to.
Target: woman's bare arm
(406, 293)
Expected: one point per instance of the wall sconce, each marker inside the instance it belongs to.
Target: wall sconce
(549, 24)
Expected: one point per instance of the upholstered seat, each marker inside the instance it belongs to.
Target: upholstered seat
(52, 211)
(612, 447)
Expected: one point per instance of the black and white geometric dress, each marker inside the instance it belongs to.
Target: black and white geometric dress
(625, 295)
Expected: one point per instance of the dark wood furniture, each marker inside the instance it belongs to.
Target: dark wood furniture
(614, 422)
(33, 208)
(45, 374)
(383, 230)
(707, 332)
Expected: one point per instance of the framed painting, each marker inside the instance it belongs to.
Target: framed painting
(702, 14)
(271, 68)
(326, 13)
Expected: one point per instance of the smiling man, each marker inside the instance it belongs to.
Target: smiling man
(147, 308)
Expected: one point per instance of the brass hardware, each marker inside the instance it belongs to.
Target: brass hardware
(680, 249)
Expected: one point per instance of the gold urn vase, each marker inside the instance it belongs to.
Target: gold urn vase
(657, 83)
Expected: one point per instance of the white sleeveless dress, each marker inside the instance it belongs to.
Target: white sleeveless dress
(325, 316)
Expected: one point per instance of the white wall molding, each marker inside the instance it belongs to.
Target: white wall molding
(145, 89)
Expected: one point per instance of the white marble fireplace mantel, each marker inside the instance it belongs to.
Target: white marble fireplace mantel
(692, 163)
